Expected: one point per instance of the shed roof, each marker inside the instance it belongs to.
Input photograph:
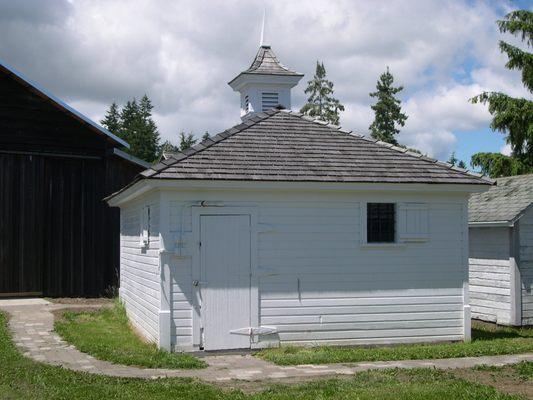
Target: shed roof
(10, 71)
(281, 145)
(504, 202)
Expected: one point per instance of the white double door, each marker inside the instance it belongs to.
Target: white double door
(225, 272)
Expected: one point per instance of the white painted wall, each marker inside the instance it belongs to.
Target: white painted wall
(489, 274)
(319, 284)
(526, 265)
(139, 266)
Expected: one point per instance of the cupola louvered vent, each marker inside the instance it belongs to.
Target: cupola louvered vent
(269, 100)
(246, 105)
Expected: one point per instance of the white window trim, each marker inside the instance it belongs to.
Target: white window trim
(364, 238)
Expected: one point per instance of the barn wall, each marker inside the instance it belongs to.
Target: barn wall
(139, 267)
(348, 293)
(57, 235)
(526, 265)
(489, 274)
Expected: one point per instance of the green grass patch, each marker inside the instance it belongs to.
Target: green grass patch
(524, 370)
(22, 378)
(486, 340)
(106, 334)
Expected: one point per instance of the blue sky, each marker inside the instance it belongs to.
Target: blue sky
(182, 54)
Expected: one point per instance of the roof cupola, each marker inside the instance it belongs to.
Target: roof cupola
(266, 83)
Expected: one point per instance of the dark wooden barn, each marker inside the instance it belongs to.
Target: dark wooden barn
(57, 236)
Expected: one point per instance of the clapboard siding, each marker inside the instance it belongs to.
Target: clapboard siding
(347, 293)
(318, 284)
(526, 265)
(489, 274)
(181, 302)
(140, 285)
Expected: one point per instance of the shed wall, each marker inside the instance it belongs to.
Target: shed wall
(489, 274)
(139, 267)
(318, 284)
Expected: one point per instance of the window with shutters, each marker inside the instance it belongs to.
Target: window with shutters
(380, 223)
(246, 103)
(145, 226)
(269, 100)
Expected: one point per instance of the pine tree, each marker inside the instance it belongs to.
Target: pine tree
(387, 110)
(168, 147)
(455, 161)
(134, 124)
(186, 141)
(111, 120)
(321, 102)
(206, 136)
(513, 117)
(452, 160)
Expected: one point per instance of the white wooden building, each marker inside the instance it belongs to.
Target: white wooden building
(501, 252)
(285, 229)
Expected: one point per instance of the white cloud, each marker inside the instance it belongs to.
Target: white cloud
(183, 53)
(506, 149)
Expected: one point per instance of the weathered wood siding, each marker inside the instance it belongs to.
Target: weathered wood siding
(489, 274)
(318, 284)
(57, 235)
(140, 281)
(526, 265)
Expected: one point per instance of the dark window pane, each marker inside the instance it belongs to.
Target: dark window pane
(380, 222)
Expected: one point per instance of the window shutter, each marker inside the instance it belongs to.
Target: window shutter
(145, 226)
(413, 221)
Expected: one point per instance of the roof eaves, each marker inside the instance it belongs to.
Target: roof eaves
(130, 158)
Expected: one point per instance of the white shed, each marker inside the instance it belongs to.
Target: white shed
(501, 252)
(285, 229)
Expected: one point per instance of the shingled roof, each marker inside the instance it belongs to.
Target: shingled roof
(504, 202)
(281, 145)
(266, 63)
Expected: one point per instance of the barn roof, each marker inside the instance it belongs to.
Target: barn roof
(504, 202)
(266, 63)
(281, 145)
(10, 71)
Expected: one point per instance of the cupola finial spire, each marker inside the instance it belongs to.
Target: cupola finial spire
(262, 40)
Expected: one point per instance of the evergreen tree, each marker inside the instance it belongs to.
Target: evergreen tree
(387, 110)
(134, 124)
(455, 161)
(513, 117)
(111, 120)
(186, 141)
(168, 147)
(452, 160)
(321, 102)
(206, 136)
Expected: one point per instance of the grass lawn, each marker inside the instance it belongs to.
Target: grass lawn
(22, 378)
(486, 340)
(105, 334)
